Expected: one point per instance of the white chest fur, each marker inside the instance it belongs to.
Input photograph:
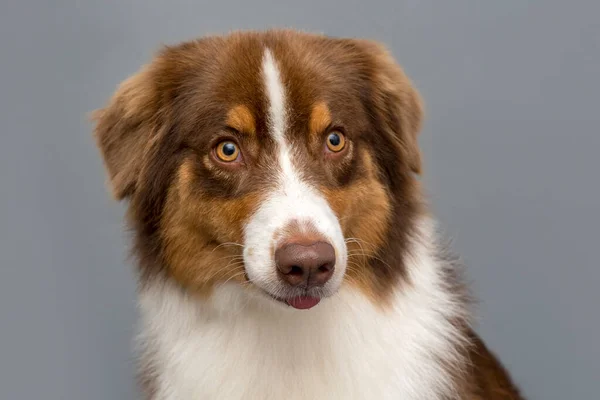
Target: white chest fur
(239, 346)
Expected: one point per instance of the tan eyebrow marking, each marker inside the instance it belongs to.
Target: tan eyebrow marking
(241, 119)
(320, 118)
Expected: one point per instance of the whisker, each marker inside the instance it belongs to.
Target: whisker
(225, 269)
(233, 276)
(228, 244)
(362, 252)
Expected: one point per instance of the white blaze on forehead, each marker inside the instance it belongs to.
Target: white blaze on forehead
(289, 178)
(276, 97)
(291, 199)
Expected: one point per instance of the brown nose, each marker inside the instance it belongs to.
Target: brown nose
(305, 265)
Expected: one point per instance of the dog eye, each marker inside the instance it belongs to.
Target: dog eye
(336, 141)
(227, 151)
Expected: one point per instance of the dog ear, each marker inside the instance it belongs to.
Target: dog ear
(397, 101)
(124, 130)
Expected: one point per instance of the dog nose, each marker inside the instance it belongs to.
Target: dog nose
(305, 265)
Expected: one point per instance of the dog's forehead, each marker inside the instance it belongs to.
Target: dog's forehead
(238, 76)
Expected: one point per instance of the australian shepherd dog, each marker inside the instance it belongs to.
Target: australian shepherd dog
(284, 247)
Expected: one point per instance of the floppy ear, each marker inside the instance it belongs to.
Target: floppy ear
(124, 130)
(398, 102)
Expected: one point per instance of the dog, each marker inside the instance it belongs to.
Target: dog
(284, 244)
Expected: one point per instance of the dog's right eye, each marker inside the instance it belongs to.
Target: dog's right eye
(336, 141)
(227, 151)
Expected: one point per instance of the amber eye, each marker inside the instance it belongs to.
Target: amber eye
(227, 151)
(336, 141)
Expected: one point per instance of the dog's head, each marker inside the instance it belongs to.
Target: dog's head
(281, 161)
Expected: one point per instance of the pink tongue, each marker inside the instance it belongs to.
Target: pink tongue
(304, 302)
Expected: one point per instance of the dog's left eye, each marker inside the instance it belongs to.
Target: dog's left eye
(227, 151)
(336, 141)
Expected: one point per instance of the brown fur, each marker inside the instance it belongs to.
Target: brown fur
(486, 378)
(320, 119)
(241, 119)
(158, 132)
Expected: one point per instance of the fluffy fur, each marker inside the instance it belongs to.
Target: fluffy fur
(393, 319)
(235, 346)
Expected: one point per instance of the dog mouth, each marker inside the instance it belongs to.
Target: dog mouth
(303, 301)
(299, 302)
(299, 299)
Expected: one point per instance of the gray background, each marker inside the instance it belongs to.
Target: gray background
(510, 143)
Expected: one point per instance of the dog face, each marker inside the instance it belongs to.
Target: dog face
(278, 160)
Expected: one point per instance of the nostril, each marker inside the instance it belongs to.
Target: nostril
(296, 270)
(324, 268)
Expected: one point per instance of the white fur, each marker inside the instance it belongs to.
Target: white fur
(239, 345)
(292, 199)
